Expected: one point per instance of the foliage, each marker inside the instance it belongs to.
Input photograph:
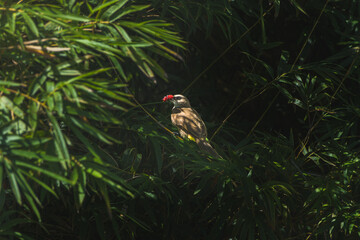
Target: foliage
(276, 82)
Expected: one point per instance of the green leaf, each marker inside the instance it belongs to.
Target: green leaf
(36, 155)
(26, 188)
(50, 102)
(129, 10)
(30, 23)
(104, 193)
(100, 229)
(103, 5)
(33, 205)
(99, 46)
(10, 105)
(11, 17)
(84, 140)
(8, 220)
(113, 9)
(58, 101)
(93, 131)
(2, 190)
(298, 7)
(53, 175)
(42, 184)
(99, 116)
(81, 77)
(107, 176)
(13, 181)
(118, 67)
(10, 84)
(138, 222)
(68, 16)
(79, 188)
(59, 138)
(158, 156)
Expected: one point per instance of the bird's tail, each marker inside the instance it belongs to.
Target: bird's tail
(206, 147)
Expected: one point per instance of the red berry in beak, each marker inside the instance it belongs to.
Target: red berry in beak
(168, 97)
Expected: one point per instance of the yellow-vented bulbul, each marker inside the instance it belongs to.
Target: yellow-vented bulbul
(189, 123)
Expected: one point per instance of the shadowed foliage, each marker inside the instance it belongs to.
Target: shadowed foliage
(87, 150)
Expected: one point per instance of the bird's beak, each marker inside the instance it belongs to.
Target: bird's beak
(167, 98)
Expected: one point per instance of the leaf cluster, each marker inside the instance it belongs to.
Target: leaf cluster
(85, 148)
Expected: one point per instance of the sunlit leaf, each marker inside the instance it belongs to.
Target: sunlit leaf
(31, 24)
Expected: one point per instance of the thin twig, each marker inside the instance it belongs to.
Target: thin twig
(277, 78)
(262, 116)
(307, 39)
(255, 95)
(27, 96)
(142, 107)
(307, 137)
(225, 51)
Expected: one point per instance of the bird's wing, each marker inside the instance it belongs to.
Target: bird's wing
(189, 121)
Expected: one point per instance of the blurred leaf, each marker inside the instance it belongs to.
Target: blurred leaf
(44, 171)
(30, 23)
(13, 181)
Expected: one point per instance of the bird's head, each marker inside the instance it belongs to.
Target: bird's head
(178, 100)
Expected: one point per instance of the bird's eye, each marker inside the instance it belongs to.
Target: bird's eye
(177, 98)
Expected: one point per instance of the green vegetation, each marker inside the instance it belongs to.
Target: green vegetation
(84, 147)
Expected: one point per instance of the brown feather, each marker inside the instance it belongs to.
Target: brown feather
(206, 147)
(189, 122)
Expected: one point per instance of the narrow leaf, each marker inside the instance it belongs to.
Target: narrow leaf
(44, 171)
(13, 181)
(31, 24)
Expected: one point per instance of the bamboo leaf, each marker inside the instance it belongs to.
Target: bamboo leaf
(98, 116)
(104, 193)
(296, 4)
(103, 5)
(113, 9)
(2, 190)
(158, 157)
(36, 155)
(59, 138)
(33, 205)
(10, 84)
(81, 77)
(13, 181)
(27, 189)
(93, 131)
(58, 101)
(80, 186)
(108, 177)
(60, 16)
(30, 23)
(84, 140)
(53, 175)
(42, 184)
(129, 10)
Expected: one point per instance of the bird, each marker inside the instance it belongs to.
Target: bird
(189, 123)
